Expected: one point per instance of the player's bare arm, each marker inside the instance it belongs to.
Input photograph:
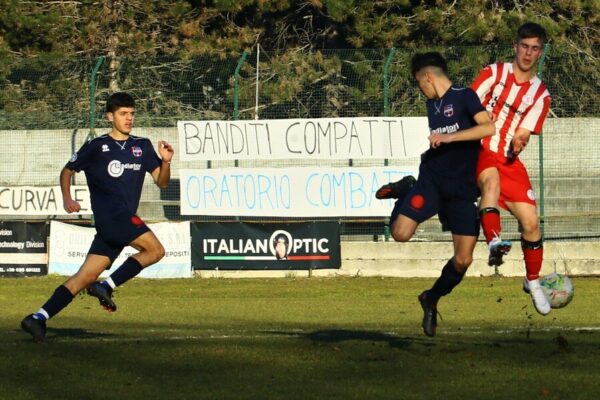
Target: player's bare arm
(69, 204)
(162, 174)
(484, 128)
(520, 140)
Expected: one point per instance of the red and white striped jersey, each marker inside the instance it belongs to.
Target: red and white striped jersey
(516, 105)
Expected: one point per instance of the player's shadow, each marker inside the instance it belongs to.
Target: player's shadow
(413, 342)
(77, 333)
(62, 334)
(341, 335)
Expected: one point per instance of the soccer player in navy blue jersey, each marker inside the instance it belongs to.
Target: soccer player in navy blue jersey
(115, 165)
(446, 184)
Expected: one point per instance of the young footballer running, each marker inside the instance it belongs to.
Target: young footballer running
(115, 165)
(446, 183)
(518, 102)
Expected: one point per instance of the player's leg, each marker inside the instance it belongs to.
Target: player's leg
(35, 324)
(122, 229)
(520, 200)
(488, 181)
(452, 274)
(533, 251)
(150, 252)
(457, 205)
(416, 206)
(403, 228)
(455, 269)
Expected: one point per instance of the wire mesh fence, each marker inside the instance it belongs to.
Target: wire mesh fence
(47, 107)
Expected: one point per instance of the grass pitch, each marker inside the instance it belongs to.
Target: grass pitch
(309, 338)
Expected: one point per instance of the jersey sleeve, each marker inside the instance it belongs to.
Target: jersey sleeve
(83, 157)
(536, 115)
(152, 160)
(472, 103)
(483, 82)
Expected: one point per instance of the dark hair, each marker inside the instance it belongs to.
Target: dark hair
(280, 236)
(431, 59)
(532, 30)
(118, 100)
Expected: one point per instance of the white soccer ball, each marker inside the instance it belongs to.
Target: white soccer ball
(558, 288)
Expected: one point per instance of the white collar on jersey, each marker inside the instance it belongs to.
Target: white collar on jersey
(122, 146)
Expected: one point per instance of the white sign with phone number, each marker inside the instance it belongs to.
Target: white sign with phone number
(70, 243)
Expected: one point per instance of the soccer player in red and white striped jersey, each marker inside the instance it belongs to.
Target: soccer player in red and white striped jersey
(518, 103)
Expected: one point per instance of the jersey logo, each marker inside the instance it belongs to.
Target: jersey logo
(528, 99)
(73, 158)
(137, 151)
(105, 148)
(448, 110)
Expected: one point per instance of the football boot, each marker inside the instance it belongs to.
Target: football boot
(35, 327)
(540, 301)
(429, 315)
(396, 190)
(100, 291)
(498, 249)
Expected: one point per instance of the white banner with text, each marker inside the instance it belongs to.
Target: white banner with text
(285, 192)
(41, 200)
(70, 243)
(318, 138)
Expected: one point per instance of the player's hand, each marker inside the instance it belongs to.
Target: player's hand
(165, 150)
(518, 143)
(493, 117)
(71, 206)
(436, 139)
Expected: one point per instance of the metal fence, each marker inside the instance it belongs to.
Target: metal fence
(69, 95)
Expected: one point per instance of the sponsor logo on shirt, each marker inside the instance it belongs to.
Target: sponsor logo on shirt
(105, 148)
(137, 151)
(116, 168)
(447, 129)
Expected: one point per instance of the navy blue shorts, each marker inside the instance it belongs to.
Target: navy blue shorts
(452, 199)
(116, 231)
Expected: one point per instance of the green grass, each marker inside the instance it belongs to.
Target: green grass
(334, 338)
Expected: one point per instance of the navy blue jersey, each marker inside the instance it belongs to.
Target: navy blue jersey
(115, 172)
(453, 112)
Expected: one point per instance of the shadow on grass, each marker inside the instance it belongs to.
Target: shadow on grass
(77, 333)
(54, 334)
(341, 335)
(408, 342)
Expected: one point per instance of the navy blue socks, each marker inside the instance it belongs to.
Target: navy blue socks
(59, 300)
(130, 268)
(449, 279)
